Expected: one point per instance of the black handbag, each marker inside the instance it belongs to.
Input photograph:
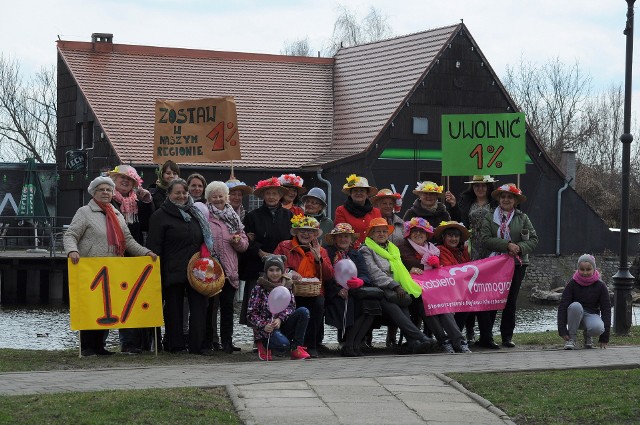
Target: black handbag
(367, 293)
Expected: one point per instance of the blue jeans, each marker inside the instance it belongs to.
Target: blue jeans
(291, 332)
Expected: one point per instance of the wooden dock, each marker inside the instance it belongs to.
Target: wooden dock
(33, 276)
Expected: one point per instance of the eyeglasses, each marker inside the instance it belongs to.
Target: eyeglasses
(107, 190)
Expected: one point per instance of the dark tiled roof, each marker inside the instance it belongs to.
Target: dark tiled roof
(373, 81)
(311, 111)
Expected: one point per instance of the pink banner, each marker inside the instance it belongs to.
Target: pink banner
(474, 286)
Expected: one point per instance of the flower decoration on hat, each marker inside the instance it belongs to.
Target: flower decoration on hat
(302, 221)
(291, 180)
(128, 171)
(510, 187)
(353, 180)
(342, 228)
(273, 181)
(419, 223)
(428, 186)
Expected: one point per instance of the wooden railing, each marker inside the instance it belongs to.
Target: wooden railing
(20, 235)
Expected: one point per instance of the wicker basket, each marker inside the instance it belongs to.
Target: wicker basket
(307, 287)
(208, 282)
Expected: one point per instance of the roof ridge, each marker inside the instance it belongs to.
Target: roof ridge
(137, 49)
(399, 37)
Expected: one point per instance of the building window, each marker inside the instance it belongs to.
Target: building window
(254, 202)
(420, 125)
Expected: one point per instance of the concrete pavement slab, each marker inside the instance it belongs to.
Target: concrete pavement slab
(384, 413)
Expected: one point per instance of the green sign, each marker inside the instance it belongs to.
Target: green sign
(483, 144)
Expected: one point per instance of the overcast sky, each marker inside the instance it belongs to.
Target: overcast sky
(587, 31)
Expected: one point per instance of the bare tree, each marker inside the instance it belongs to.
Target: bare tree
(299, 47)
(349, 31)
(553, 97)
(27, 113)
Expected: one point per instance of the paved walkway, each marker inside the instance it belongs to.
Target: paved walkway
(372, 390)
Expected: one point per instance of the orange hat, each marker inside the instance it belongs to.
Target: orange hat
(379, 222)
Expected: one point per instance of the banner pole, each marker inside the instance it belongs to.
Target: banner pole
(79, 344)
(518, 182)
(448, 184)
(232, 175)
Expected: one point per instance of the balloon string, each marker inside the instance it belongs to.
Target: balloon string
(344, 316)
(266, 349)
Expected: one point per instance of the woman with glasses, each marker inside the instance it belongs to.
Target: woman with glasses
(98, 229)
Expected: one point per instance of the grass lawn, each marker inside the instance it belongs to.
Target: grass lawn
(158, 406)
(591, 396)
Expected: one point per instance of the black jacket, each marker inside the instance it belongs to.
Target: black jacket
(269, 232)
(174, 240)
(433, 217)
(333, 304)
(593, 298)
(142, 225)
(158, 195)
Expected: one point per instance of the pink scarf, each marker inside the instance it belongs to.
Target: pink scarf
(586, 281)
(128, 206)
(426, 251)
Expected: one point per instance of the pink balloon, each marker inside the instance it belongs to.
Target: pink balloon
(279, 299)
(203, 209)
(345, 270)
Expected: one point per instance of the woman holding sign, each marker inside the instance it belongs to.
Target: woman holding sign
(418, 255)
(509, 230)
(99, 230)
(177, 231)
(387, 272)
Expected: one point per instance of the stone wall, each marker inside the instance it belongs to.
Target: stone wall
(550, 271)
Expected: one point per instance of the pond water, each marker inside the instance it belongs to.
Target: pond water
(47, 328)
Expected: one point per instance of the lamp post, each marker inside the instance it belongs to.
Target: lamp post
(623, 280)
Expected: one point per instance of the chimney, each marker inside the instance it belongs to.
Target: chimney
(568, 165)
(101, 37)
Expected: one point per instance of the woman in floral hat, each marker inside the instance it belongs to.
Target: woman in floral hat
(135, 204)
(389, 203)
(357, 210)
(427, 205)
(450, 237)
(294, 189)
(265, 226)
(509, 230)
(306, 259)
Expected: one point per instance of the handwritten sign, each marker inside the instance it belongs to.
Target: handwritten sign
(115, 292)
(483, 144)
(474, 286)
(196, 130)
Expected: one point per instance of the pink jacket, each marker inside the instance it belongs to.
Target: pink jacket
(227, 249)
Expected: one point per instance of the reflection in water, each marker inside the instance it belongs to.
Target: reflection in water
(45, 328)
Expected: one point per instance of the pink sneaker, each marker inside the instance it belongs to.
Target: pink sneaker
(300, 353)
(263, 353)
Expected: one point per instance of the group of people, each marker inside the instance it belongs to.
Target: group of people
(290, 245)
